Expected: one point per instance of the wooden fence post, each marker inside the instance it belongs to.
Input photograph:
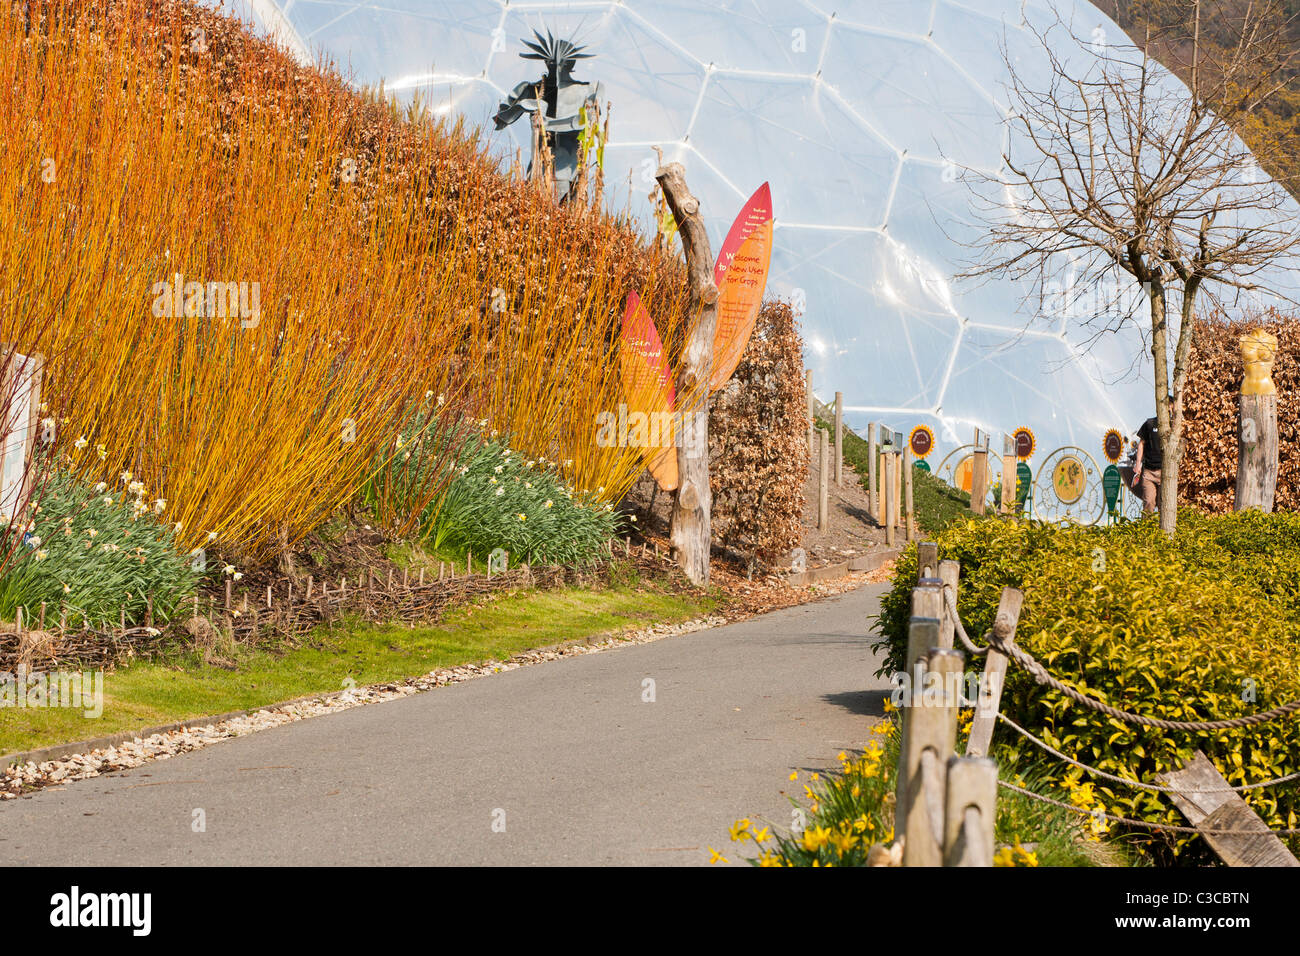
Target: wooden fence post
(995, 672)
(927, 560)
(839, 439)
(887, 479)
(1008, 474)
(898, 487)
(969, 811)
(948, 573)
(871, 469)
(979, 475)
(823, 479)
(922, 632)
(931, 737)
(812, 419)
(909, 516)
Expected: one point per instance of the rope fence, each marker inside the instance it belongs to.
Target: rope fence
(928, 766)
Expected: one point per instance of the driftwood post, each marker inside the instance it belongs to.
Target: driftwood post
(995, 672)
(692, 504)
(1257, 424)
(823, 479)
(839, 439)
(871, 469)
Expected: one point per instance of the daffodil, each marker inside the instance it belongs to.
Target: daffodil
(739, 830)
(80, 443)
(549, 503)
(716, 857)
(815, 838)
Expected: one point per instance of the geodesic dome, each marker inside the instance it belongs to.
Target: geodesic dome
(860, 113)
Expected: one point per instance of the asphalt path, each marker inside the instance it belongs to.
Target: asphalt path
(566, 762)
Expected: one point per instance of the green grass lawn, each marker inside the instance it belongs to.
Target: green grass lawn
(152, 693)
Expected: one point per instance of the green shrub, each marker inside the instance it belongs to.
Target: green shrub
(1183, 629)
(97, 550)
(501, 498)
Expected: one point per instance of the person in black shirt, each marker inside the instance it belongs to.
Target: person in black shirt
(1143, 477)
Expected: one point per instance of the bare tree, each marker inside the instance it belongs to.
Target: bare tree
(1116, 170)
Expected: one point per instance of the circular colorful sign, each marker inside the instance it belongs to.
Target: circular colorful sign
(1113, 445)
(1025, 444)
(1068, 479)
(961, 475)
(921, 441)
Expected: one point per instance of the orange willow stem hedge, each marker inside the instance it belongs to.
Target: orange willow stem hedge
(378, 262)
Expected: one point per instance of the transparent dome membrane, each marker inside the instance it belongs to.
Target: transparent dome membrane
(873, 120)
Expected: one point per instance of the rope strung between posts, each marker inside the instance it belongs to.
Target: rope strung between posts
(951, 600)
(1145, 824)
(1029, 663)
(1138, 783)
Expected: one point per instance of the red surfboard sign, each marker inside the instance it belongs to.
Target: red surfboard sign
(741, 277)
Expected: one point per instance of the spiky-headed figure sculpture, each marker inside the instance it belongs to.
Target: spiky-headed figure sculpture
(563, 101)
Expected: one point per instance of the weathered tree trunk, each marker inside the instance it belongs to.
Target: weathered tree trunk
(692, 503)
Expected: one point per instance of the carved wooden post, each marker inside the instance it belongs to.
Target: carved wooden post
(1257, 424)
(692, 504)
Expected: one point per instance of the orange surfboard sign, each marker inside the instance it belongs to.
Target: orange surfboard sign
(741, 277)
(648, 388)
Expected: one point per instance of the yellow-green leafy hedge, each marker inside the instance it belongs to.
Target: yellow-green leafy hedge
(1186, 629)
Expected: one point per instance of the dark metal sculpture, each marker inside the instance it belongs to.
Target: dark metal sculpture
(561, 101)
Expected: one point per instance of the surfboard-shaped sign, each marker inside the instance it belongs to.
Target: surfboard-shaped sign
(741, 277)
(648, 387)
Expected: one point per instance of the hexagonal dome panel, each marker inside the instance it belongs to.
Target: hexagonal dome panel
(856, 111)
